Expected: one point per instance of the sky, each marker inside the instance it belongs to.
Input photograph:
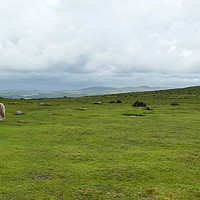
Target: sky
(73, 44)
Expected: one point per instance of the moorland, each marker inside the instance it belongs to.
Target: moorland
(71, 148)
(91, 91)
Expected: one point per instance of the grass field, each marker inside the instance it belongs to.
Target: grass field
(71, 148)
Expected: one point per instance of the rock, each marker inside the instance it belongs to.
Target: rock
(134, 115)
(19, 112)
(118, 101)
(45, 104)
(22, 121)
(98, 102)
(149, 108)
(82, 109)
(139, 104)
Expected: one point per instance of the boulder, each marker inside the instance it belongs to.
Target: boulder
(139, 104)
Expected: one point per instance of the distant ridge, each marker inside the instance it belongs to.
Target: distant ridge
(90, 91)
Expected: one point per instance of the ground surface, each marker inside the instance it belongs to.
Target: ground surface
(71, 148)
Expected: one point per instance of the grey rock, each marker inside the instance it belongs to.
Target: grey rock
(82, 109)
(98, 102)
(19, 112)
(22, 121)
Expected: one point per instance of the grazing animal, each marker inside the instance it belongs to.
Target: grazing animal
(2, 112)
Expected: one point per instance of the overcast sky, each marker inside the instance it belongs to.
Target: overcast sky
(72, 44)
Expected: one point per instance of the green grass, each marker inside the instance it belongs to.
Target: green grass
(62, 152)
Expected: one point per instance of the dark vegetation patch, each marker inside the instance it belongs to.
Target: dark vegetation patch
(105, 191)
(175, 104)
(39, 177)
(148, 193)
(13, 103)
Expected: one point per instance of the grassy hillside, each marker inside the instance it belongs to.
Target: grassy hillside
(71, 148)
(92, 91)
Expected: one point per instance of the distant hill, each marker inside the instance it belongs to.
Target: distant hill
(91, 91)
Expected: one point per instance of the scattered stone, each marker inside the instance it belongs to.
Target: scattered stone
(134, 115)
(139, 104)
(22, 121)
(82, 109)
(19, 112)
(45, 104)
(98, 102)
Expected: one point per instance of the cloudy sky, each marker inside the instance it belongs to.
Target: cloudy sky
(72, 44)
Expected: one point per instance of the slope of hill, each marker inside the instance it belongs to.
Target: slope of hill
(71, 148)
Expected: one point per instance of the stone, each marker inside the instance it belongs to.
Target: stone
(98, 102)
(22, 121)
(139, 104)
(82, 109)
(19, 112)
(134, 115)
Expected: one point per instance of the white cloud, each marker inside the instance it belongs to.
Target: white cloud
(100, 39)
